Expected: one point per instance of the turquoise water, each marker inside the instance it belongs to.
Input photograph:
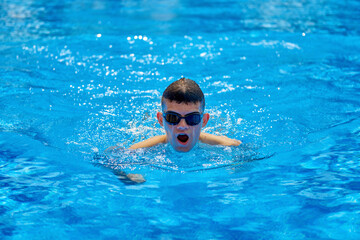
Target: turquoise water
(79, 76)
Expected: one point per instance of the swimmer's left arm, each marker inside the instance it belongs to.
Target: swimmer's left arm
(218, 140)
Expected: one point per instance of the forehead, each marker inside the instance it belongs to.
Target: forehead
(181, 108)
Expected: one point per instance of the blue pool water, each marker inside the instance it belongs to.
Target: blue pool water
(79, 76)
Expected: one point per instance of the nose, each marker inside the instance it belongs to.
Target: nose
(182, 125)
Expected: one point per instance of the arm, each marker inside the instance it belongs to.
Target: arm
(218, 140)
(103, 160)
(149, 142)
(135, 178)
(130, 178)
(144, 144)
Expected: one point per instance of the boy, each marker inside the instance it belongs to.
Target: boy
(182, 117)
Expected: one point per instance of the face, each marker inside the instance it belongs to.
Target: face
(182, 136)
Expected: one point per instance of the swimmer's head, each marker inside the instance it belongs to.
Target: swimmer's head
(184, 91)
(183, 114)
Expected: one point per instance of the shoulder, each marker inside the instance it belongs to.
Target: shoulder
(218, 140)
(150, 142)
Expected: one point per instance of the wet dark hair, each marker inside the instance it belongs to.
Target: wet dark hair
(185, 91)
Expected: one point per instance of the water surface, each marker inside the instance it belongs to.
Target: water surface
(79, 76)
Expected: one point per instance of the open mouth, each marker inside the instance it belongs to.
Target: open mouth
(183, 138)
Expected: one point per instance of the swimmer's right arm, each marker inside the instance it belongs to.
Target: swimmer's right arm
(137, 178)
(144, 144)
(150, 142)
(127, 178)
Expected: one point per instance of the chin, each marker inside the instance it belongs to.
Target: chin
(182, 149)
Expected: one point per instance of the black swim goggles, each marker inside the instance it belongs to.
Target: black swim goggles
(192, 119)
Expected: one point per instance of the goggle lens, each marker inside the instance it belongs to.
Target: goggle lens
(191, 119)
